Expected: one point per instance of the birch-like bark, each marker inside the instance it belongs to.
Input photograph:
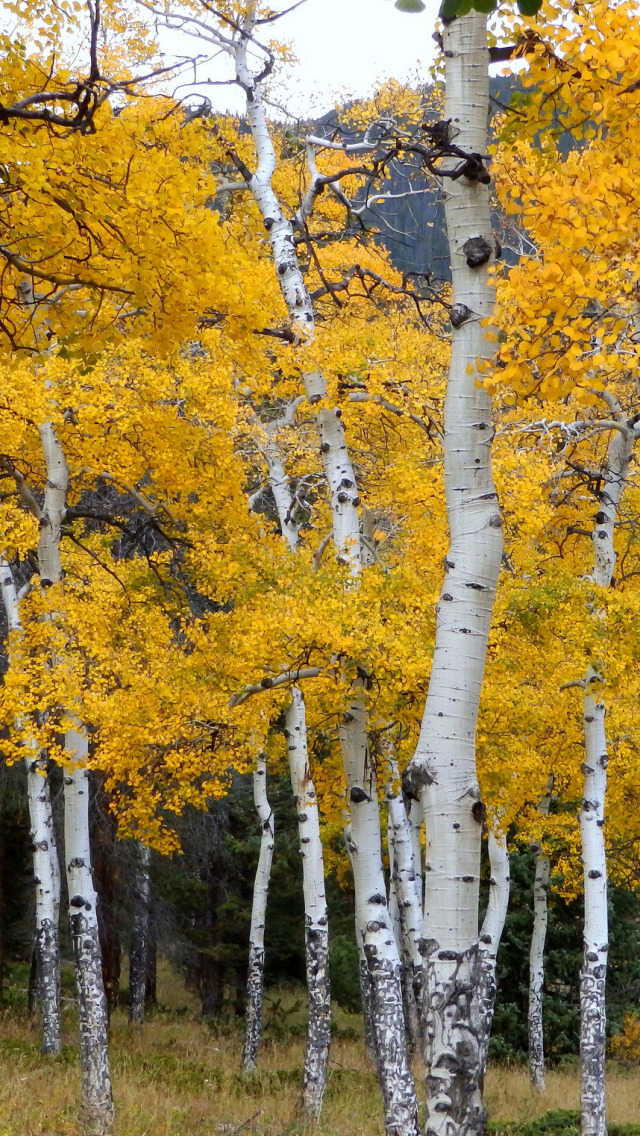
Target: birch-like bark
(372, 916)
(97, 1098)
(443, 770)
(315, 910)
(536, 954)
(139, 948)
(594, 861)
(370, 1043)
(403, 875)
(255, 972)
(316, 1064)
(490, 936)
(46, 866)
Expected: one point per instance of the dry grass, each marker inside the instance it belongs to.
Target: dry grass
(180, 1078)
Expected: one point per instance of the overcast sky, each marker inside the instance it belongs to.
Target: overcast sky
(343, 48)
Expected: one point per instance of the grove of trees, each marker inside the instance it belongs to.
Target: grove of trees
(271, 504)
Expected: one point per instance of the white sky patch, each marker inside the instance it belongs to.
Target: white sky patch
(343, 48)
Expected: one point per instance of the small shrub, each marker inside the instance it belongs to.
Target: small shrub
(625, 1046)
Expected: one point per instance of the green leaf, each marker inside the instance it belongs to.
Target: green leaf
(484, 5)
(449, 9)
(410, 5)
(529, 7)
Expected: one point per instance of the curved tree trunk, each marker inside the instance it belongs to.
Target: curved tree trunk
(536, 955)
(46, 867)
(443, 770)
(255, 972)
(316, 1061)
(138, 953)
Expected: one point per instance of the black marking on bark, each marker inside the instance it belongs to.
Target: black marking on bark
(378, 898)
(479, 812)
(594, 874)
(477, 250)
(358, 795)
(459, 314)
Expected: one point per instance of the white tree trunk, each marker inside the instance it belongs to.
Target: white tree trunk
(316, 1064)
(536, 955)
(372, 915)
(403, 878)
(139, 937)
(255, 972)
(594, 861)
(97, 1098)
(443, 770)
(315, 910)
(491, 934)
(46, 866)
(373, 925)
(365, 979)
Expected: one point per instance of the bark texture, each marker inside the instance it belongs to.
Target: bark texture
(443, 770)
(403, 874)
(138, 954)
(255, 972)
(97, 1099)
(536, 956)
(316, 919)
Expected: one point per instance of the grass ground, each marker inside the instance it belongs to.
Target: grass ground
(180, 1078)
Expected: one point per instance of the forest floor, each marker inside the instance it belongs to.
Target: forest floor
(180, 1077)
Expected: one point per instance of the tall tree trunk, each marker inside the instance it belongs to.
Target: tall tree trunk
(372, 915)
(139, 948)
(316, 920)
(255, 972)
(594, 860)
(443, 770)
(542, 865)
(314, 1078)
(97, 1099)
(46, 867)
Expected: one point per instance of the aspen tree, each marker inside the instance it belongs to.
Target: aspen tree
(443, 770)
(316, 1063)
(139, 948)
(372, 918)
(97, 1097)
(592, 813)
(46, 866)
(255, 973)
(542, 867)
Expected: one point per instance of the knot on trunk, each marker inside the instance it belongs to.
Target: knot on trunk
(477, 250)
